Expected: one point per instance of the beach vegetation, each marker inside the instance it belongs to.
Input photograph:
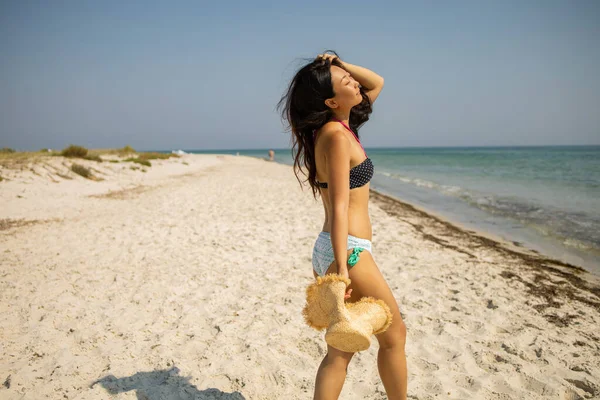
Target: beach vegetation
(126, 150)
(139, 161)
(74, 151)
(93, 157)
(156, 156)
(18, 159)
(81, 170)
(7, 150)
(114, 161)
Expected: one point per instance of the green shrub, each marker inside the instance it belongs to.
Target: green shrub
(156, 156)
(93, 157)
(81, 170)
(126, 150)
(139, 161)
(114, 161)
(74, 151)
(7, 150)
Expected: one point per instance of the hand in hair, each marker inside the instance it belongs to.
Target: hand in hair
(327, 57)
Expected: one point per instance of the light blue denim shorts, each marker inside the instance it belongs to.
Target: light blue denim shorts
(322, 255)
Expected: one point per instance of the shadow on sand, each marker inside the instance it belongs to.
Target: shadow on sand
(162, 385)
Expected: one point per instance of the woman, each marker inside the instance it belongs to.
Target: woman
(326, 103)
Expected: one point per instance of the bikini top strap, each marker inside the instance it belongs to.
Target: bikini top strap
(353, 134)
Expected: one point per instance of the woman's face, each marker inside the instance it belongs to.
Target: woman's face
(346, 89)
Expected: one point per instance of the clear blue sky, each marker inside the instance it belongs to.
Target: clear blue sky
(169, 75)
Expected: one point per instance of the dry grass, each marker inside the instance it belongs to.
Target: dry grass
(120, 152)
(17, 159)
(20, 159)
(156, 156)
(7, 223)
(81, 152)
(126, 150)
(144, 158)
(93, 157)
(81, 170)
(74, 151)
(139, 161)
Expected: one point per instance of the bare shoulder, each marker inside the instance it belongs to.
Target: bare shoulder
(333, 136)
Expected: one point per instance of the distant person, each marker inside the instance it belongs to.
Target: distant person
(271, 155)
(326, 103)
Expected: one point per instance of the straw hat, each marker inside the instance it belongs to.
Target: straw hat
(349, 325)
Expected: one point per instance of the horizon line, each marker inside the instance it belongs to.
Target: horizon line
(389, 147)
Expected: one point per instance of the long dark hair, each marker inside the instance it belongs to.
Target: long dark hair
(303, 108)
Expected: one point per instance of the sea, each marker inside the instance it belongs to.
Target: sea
(542, 198)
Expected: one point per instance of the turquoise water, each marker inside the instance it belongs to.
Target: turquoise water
(547, 198)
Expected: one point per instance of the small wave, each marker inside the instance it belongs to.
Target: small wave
(577, 244)
(427, 184)
(424, 183)
(178, 152)
(576, 229)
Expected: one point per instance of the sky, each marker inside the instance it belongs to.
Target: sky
(208, 75)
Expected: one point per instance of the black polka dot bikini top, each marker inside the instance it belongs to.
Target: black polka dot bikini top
(360, 174)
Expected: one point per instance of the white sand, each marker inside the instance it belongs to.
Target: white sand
(187, 282)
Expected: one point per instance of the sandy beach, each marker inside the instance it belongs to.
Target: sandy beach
(187, 281)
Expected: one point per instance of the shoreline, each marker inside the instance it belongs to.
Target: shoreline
(511, 247)
(536, 262)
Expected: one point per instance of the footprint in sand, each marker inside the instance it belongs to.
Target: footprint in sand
(311, 348)
(424, 365)
(467, 382)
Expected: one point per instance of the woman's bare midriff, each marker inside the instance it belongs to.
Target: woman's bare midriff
(359, 223)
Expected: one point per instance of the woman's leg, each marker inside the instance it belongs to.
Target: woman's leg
(366, 280)
(332, 374)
